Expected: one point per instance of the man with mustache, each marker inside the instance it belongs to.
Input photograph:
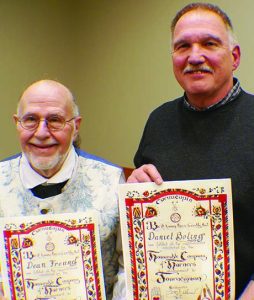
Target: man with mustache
(207, 133)
(53, 176)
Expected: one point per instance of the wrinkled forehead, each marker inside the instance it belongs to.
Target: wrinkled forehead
(199, 22)
(44, 96)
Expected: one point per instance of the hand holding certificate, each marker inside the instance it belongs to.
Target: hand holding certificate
(178, 240)
(52, 257)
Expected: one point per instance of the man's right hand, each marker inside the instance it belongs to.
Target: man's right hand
(248, 293)
(145, 173)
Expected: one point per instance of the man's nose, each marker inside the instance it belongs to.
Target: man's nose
(42, 129)
(196, 55)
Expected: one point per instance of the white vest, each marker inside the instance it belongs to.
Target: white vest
(93, 186)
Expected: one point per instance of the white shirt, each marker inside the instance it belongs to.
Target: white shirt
(30, 178)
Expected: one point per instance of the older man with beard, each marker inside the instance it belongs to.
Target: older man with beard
(52, 176)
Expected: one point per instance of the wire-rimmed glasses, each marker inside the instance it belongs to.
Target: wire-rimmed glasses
(53, 122)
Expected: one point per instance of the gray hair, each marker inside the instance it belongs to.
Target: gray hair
(209, 7)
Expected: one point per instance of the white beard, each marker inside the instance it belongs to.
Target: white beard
(44, 163)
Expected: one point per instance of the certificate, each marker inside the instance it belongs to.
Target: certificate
(178, 240)
(52, 257)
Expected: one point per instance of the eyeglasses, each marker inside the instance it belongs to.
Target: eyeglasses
(54, 122)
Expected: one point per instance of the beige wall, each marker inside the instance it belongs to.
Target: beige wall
(113, 54)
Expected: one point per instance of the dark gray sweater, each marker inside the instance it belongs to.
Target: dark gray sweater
(218, 143)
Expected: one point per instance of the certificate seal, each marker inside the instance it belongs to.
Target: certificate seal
(50, 246)
(175, 217)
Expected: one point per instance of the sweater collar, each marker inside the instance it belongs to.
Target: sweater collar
(232, 95)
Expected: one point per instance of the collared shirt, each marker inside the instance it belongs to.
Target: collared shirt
(30, 178)
(233, 93)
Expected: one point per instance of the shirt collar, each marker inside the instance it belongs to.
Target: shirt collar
(30, 178)
(233, 93)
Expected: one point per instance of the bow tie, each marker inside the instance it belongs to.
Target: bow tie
(48, 190)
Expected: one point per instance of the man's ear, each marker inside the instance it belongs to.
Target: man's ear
(15, 119)
(236, 54)
(77, 126)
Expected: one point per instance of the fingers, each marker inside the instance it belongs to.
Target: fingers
(248, 293)
(146, 173)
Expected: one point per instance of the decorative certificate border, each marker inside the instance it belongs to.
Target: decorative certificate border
(154, 268)
(76, 234)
